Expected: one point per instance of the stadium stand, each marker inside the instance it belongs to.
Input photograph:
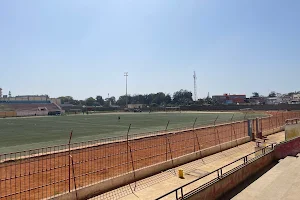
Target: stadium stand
(34, 107)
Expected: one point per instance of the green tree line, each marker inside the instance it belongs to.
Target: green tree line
(181, 97)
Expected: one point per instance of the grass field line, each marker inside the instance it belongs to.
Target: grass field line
(156, 133)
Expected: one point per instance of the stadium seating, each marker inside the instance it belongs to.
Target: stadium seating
(33, 106)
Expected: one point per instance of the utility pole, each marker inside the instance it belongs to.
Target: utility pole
(195, 86)
(126, 75)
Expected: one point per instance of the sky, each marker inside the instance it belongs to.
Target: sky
(82, 48)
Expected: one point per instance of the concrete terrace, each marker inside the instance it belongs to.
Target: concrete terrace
(164, 182)
(281, 182)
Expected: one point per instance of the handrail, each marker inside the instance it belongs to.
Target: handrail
(219, 172)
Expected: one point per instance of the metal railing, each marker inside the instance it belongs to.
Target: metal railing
(219, 172)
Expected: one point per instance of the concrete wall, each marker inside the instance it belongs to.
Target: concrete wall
(37, 98)
(132, 106)
(237, 107)
(292, 131)
(8, 114)
(228, 182)
(287, 148)
(32, 113)
(110, 184)
(56, 101)
(25, 98)
(272, 131)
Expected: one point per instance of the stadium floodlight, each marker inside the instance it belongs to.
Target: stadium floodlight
(126, 75)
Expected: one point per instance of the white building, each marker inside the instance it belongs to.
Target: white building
(273, 100)
(133, 106)
(296, 97)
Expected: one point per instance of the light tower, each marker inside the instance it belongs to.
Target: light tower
(126, 75)
(195, 86)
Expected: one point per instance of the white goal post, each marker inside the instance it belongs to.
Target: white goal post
(247, 110)
(173, 109)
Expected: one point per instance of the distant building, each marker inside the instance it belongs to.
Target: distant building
(30, 99)
(133, 106)
(257, 100)
(229, 98)
(273, 100)
(294, 102)
(296, 97)
(0, 92)
(286, 98)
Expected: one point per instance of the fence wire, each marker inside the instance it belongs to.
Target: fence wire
(46, 172)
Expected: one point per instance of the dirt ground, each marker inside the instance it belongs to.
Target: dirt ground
(45, 176)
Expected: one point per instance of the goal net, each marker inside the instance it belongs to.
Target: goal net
(172, 109)
(247, 110)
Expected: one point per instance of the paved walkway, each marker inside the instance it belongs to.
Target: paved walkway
(281, 182)
(160, 184)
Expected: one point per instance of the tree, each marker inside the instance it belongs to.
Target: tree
(82, 102)
(100, 100)
(75, 102)
(110, 101)
(272, 94)
(138, 99)
(149, 98)
(255, 94)
(122, 100)
(90, 101)
(200, 101)
(168, 99)
(208, 100)
(67, 99)
(291, 93)
(183, 97)
(159, 98)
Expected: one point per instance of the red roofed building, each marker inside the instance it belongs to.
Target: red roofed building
(230, 98)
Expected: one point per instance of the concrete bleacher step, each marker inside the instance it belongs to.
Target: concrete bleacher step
(268, 179)
(286, 174)
(280, 182)
(284, 163)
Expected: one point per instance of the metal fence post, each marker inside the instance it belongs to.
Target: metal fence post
(261, 127)
(70, 160)
(250, 129)
(257, 128)
(127, 141)
(215, 129)
(231, 127)
(74, 178)
(167, 140)
(195, 135)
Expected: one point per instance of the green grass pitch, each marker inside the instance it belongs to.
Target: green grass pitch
(19, 134)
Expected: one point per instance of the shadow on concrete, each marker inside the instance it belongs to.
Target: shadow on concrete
(247, 182)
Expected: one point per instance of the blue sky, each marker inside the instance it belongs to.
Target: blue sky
(83, 48)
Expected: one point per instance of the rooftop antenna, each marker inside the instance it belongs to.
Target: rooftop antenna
(195, 86)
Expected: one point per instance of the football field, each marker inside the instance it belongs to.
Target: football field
(19, 134)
